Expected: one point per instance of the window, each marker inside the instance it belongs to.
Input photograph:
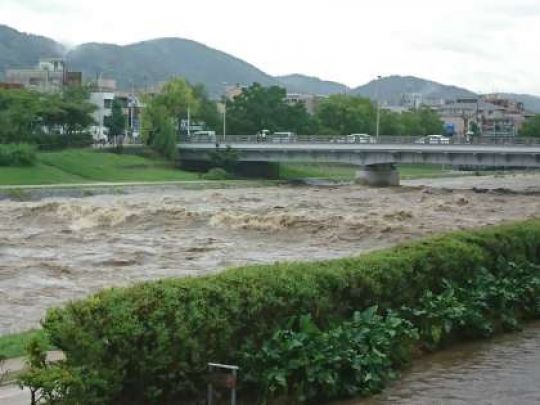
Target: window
(107, 103)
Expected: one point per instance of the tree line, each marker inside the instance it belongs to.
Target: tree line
(63, 118)
(259, 107)
(45, 119)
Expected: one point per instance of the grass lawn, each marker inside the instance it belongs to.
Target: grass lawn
(86, 165)
(316, 170)
(15, 345)
(89, 166)
(347, 172)
(410, 172)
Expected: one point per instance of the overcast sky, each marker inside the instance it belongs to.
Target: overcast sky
(484, 45)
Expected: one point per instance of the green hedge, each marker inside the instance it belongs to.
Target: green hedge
(17, 154)
(150, 343)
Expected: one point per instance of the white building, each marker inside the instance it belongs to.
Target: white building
(50, 75)
(103, 101)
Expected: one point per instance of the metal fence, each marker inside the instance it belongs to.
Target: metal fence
(383, 140)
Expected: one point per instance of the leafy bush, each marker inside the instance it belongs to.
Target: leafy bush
(226, 159)
(17, 155)
(356, 357)
(216, 174)
(488, 302)
(150, 343)
(49, 384)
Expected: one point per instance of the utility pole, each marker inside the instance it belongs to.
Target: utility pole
(131, 109)
(188, 120)
(224, 118)
(225, 95)
(378, 110)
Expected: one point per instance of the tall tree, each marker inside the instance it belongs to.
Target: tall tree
(341, 114)
(116, 122)
(207, 112)
(390, 123)
(164, 112)
(259, 107)
(421, 122)
(176, 96)
(27, 115)
(531, 127)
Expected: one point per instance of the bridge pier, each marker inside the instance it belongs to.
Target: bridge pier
(378, 175)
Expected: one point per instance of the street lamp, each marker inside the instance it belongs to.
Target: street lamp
(224, 118)
(225, 112)
(378, 124)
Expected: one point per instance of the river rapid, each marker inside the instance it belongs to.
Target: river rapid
(58, 249)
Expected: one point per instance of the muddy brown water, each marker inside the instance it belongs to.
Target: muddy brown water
(58, 249)
(502, 371)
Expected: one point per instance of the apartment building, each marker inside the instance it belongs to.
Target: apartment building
(50, 75)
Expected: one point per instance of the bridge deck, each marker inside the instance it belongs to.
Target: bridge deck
(368, 147)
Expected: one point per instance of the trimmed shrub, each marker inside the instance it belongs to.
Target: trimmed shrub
(216, 173)
(150, 343)
(58, 141)
(20, 154)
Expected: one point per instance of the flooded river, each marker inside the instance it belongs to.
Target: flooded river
(502, 371)
(58, 249)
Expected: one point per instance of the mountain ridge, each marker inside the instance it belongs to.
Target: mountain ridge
(297, 82)
(149, 62)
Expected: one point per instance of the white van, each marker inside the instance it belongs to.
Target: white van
(203, 136)
(204, 133)
(283, 137)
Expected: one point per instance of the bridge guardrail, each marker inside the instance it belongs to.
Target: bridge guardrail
(383, 140)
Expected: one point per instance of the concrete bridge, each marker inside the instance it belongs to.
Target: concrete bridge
(378, 160)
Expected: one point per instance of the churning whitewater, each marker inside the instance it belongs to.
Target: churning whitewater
(58, 249)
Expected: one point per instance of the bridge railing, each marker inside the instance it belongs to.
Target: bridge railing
(384, 140)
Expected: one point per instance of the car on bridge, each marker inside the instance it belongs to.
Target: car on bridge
(433, 140)
(360, 138)
(283, 137)
(203, 136)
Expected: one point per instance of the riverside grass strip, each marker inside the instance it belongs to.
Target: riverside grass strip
(150, 343)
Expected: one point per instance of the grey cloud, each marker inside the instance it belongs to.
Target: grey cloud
(44, 6)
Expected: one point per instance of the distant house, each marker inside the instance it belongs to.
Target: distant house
(493, 115)
(102, 96)
(310, 101)
(50, 75)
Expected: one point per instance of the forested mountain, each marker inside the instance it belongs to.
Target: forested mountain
(19, 50)
(147, 63)
(150, 62)
(392, 88)
(298, 83)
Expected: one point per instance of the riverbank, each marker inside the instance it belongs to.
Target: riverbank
(500, 371)
(76, 166)
(305, 330)
(343, 172)
(90, 166)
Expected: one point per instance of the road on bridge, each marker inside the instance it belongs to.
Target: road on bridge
(369, 147)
